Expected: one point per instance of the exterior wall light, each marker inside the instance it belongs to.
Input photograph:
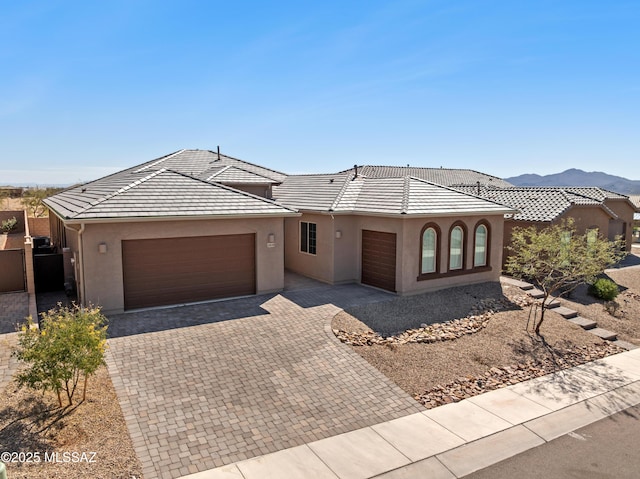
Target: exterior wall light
(338, 234)
(271, 240)
(102, 248)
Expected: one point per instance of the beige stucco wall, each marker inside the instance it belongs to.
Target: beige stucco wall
(625, 211)
(587, 217)
(339, 259)
(411, 254)
(320, 265)
(103, 275)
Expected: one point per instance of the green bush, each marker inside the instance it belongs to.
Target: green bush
(604, 288)
(69, 346)
(9, 225)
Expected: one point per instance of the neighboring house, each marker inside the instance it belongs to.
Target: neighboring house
(592, 208)
(635, 199)
(164, 233)
(399, 233)
(439, 176)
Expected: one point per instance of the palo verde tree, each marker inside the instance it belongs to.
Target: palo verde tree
(69, 346)
(557, 259)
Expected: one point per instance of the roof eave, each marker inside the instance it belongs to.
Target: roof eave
(409, 215)
(139, 219)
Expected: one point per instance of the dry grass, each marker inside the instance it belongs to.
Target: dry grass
(504, 342)
(32, 422)
(12, 204)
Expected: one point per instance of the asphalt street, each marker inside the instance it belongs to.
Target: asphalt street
(609, 448)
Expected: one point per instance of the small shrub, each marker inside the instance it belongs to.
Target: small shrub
(604, 288)
(612, 307)
(69, 346)
(9, 225)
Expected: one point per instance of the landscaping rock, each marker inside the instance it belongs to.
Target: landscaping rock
(496, 378)
(477, 319)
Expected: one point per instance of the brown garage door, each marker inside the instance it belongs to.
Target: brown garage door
(379, 259)
(182, 270)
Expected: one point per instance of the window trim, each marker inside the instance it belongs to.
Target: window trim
(463, 247)
(487, 246)
(315, 232)
(438, 232)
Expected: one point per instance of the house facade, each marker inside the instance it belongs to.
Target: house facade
(401, 234)
(162, 234)
(196, 225)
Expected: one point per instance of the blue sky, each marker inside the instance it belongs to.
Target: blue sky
(504, 87)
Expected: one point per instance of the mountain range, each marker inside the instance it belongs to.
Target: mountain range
(575, 177)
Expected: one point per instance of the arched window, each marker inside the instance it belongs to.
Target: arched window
(480, 248)
(429, 251)
(456, 248)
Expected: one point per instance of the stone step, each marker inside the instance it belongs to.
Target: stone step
(553, 304)
(536, 293)
(604, 334)
(516, 282)
(624, 344)
(584, 323)
(566, 313)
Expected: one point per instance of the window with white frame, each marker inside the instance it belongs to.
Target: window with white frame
(308, 237)
(456, 244)
(429, 250)
(480, 250)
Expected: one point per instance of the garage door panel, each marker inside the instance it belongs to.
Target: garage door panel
(179, 270)
(379, 259)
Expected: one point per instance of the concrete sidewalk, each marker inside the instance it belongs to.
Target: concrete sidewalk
(457, 439)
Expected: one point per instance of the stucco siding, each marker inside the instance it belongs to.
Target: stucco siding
(103, 272)
(410, 284)
(320, 265)
(625, 211)
(339, 260)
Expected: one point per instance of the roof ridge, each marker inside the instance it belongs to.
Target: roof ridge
(160, 160)
(120, 191)
(229, 188)
(247, 162)
(224, 168)
(341, 193)
(406, 187)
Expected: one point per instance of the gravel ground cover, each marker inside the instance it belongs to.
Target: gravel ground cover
(31, 423)
(626, 321)
(449, 370)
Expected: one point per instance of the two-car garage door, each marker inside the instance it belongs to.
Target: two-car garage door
(182, 270)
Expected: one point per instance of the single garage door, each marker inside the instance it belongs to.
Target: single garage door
(183, 270)
(379, 259)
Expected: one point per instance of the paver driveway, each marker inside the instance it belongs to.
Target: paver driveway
(207, 385)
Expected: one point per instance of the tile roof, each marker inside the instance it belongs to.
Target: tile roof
(595, 192)
(157, 193)
(635, 200)
(230, 174)
(540, 203)
(342, 193)
(440, 176)
(197, 163)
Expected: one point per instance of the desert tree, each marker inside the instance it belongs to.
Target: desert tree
(557, 259)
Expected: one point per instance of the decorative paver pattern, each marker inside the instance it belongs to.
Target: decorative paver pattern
(206, 385)
(14, 307)
(8, 364)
